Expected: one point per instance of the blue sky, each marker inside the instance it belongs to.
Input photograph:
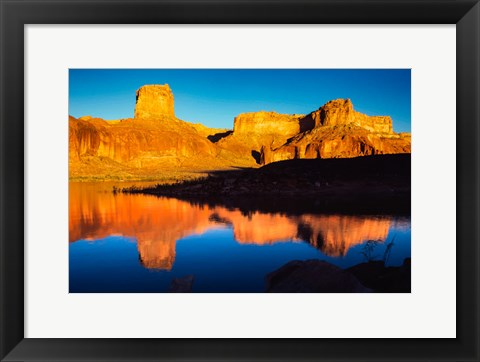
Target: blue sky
(215, 96)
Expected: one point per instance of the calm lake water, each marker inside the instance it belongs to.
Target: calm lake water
(140, 243)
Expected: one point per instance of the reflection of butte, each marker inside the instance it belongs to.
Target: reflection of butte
(157, 223)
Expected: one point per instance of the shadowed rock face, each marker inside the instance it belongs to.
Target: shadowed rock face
(154, 101)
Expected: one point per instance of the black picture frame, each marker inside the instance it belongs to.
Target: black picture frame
(15, 14)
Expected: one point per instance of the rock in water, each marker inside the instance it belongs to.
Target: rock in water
(182, 285)
(154, 101)
(313, 276)
(383, 279)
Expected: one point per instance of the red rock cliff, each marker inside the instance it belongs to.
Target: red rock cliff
(155, 141)
(252, 131)
(151, 142)
(339, 131)
(340, 112)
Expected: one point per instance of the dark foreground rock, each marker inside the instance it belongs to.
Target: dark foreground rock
(313, 276)
(369, 184)
(182, 285)
(317, 276)
(382, 279)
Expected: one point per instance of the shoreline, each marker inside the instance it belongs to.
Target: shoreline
(368, 184)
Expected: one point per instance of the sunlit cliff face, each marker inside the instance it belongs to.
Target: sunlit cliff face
(157, 223)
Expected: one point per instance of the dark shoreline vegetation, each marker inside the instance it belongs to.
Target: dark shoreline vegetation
(379, 184)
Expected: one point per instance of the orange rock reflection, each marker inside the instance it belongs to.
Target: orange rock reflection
(157, 223)
(334, 235)
(259, 228)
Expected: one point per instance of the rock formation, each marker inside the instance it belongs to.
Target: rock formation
(155, 142)
(154, 101)
(252, 131)
(339, 132)
(152, 144)
(335, 130)
(132, 139)
(267, 123)
(340, 112)
(137, 146)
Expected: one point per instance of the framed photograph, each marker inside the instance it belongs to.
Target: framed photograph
(240, 180)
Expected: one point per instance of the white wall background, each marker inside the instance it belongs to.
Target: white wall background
(429, 311)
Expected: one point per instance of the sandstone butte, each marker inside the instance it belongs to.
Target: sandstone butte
(157, 145)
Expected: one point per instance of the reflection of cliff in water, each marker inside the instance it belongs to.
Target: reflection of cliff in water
(332, 234)
(157, 223)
